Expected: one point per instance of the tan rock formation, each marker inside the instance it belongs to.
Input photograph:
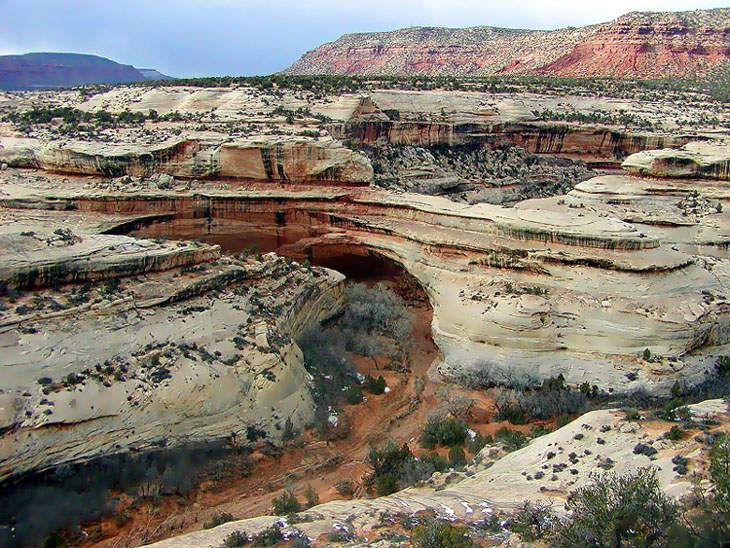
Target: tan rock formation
(280, 158)
(561, 285)
(692, 161)
(165, 360)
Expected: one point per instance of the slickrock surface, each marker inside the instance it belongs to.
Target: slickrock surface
(644, 45)
(183, 356)
(579, 285)
(548, 469)
(692, 161)
(471, 146)
(263, 158)
(33, 259)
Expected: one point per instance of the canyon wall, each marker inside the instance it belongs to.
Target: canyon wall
(638, 45)
(280, 158)
(186, 366)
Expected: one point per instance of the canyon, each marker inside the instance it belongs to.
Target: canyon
(157, 275)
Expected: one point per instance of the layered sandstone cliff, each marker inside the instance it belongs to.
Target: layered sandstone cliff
(279, 158)
(692, 161)
(638, 45)
(183, 357)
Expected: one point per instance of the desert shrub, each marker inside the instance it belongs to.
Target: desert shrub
(720, 472)
(235, 540)
(388, 466)
(706, 516)
(374, 386)
(436, 461)
(310, 496)
(533, 521)
(511, 439)
(414, 471)
(285, 504)
(376, 322)
(340, 535)
(680, 464)
(326, 359)
(478, 443)
(345, 487)
(354, 395)
(440, 534)
(457, 456)
(675, 433)
(550, 400)
(219, 518)
(512, 412)
(617, 510)
(644, 449)
(269, 537)
(301, 541)
(447, 432)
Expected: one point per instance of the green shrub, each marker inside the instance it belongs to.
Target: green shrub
(388, 465)
(289, 432)
(285, 504)
(440, 534)
(436, 461)
(478, 443)
(219, 518)
(722, 366)
(512, 412)
(354, 395)
(447, 432)
(612, 511)
(268, 537)
(631, 414)
(310, 496)
(533, 521)
(511, 439)
(457, 457)
(236, 539)
(375, 386)
(111, 286)
(674, 434)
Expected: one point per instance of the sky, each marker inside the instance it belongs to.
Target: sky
(186, 38)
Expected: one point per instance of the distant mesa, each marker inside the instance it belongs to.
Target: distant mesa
(59, 70)
(637, 45)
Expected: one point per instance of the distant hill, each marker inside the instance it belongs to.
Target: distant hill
(637, 45)
(54, 70)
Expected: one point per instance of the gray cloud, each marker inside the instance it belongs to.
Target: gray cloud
(217, 37)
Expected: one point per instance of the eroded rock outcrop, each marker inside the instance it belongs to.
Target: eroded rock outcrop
(692, 161)
(558, 285)
(280, 158)
(36, 259)
(182, 357)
